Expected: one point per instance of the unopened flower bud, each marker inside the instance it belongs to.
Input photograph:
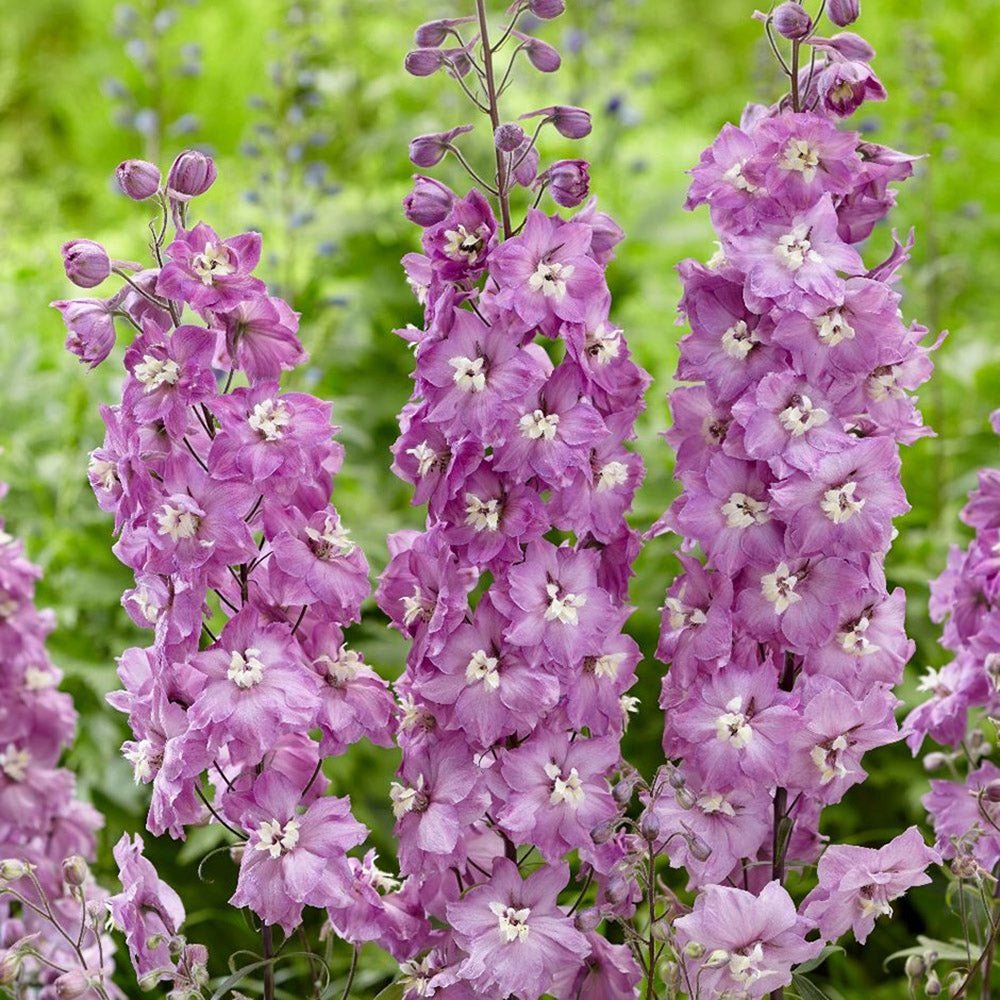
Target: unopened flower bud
(603, 832)
(649, 826)
(685, 798)
(546, 9)
(544, 57)
(623, 790)
(75, 870)
(992, 791)
(843, 12)
(429, 202)
(792, 21)
(190, 175)
(139, 179)
(11, 869)
(965, 866)
(569, 182)
(694, 950)
(428, 150)
(932, 987)
(573, 123)
(509, 137)
(616, 890)
(73, 984)
(10, 966)
(956, 984)
(587, 920)
(717, 958)
(915, 967)
(435, 33)
(424, 62)
(86, 263)
(526, 159)
(846, 44)
(934, 761)
(700, 851)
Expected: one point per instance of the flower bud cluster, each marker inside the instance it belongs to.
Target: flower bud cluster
(514, 596)
(46, 833)
(783, 640)
(220, 484)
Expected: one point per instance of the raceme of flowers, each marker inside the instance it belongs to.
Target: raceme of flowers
(220, 486)
(784, 642)
(966, 597)
(514, 596)
(51, 912)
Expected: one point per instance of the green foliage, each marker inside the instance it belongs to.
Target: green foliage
(661, 79)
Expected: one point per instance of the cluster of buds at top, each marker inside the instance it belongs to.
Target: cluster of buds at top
(51, 911)
(784, 640)
(515, 691)
(220, 486)
(965, 692)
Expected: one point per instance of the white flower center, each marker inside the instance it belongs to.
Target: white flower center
(743, 511)
(550, 279)
(832, 328)
(826, 757)
(933, 682)
(483, 515)
(39, 679)
(738, 340)
(718, 258)
(539, 424)
(246, 669)
(715, 802)
(405, 798)
(681, 615)
(801, 416)
(513, 923)
(563, 607)
(417, 976)
(873, 901)
(332, 542)
(603, 344)
(426, 457)
(854, 641)
(270, 418)
(277, 839)
(746, 965)
(882, 384)
(142, 757)
(461, 244)
(146, 604)
(417, 607)
(483, 668)
(733, 727)
(213, 262)
(839, 504)
(470, 373)
(800, 156)
(179, 524)
(794, 249)
(156, 372)
(606, 667)
(734, 176)
(612, 474)
(779, 588)
(14, 762)
(102, 472)
(567, 790)
(341, 668)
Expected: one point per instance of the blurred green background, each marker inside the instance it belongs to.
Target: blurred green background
(308, 111)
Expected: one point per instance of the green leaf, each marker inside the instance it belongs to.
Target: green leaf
(237, 977)
(815, 963)
(947, 952)
(807, 990)
(394, 991)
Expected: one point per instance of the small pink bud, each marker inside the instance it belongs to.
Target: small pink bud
(139, 179)
(435, 33)
(429, 202)
(10, 967)
(190, 175)
(843, 12)
(617, 889)
(86, 263)
(792, 21)
(527, 164)
(546, 9)
(603, 832)
(846, 44)
(587, 920)
(700, 850)
(574, 123)
(75, 870)
(73, 984)
(428, 150)
(569, 182)
(649, 826)
(541, 55)
(509, 136)
(424, 62)
(992, 791)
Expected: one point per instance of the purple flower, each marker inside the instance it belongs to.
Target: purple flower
(857, 884)
(86, 263)
(844, 85)
(965, 817)
(461, 243)
(91, 328)
(191, 174)
(569, 182)
(260, 338)
(429, 202)
(138, 179)
(513, 933)
(294, 858)
(428, 150)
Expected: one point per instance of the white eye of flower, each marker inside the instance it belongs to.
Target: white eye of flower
(470, 373)
(794, 249)
(156, 372)
(779, 588)
(839, 504)
(277, 839)
(743, 511)
(102, 472)
(14, 762)
(567, 790)
(246, 669)
(417, 976)
(718, 259)
(715, 802)
(550, 279)
(832, 328)
(800, 156)
(341, 668)
(933, 682)
(417, 607)
(461, 244)
(733, 727)
(513, 923)
(483, 515)
(333, 541)
(146, 604)
(734, 176)
(426, 457)
(827, 759)
(563, 607)
(39, 679)
(603, 344)
(612, 474)
(270, 418)
(539, 424)
(746, 964)
(406, 798)
(854, 641)
(873, 901)
(482, 667)
(177, 523)
(681, 616)
(144, 760)
(606, 667)
(882, 384)
(213, 262)
(801, 416)
(738, 341)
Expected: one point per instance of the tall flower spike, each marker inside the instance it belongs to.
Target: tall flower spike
(50, 906)
(220, 485)
(783, 641)
(514, 701)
